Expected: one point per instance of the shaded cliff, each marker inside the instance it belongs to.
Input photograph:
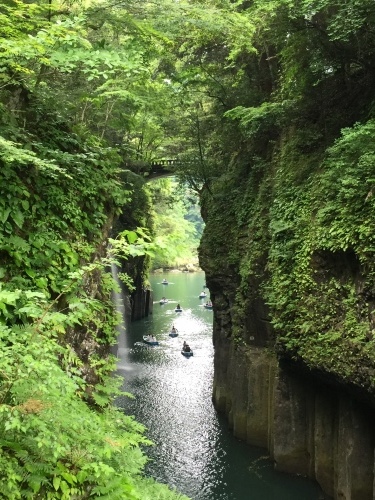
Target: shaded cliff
(288, 254)
(137, 213)
(311, 407)
(308, 427)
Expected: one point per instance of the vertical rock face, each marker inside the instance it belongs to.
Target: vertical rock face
(246, 399)
(141, 303)
(304, 391)
(308, 427)
(141, 298)
(293, 448)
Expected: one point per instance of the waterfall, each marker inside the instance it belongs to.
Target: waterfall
(121, 349)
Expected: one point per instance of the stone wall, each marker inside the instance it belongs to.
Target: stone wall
(308, 427)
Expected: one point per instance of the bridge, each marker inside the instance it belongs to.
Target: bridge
(162, 168)
(154, 169)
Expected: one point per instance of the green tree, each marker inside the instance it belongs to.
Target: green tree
(177, 233)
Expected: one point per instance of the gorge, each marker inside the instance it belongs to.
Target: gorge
(267, 106)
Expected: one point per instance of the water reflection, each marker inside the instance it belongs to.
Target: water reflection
(194, 452)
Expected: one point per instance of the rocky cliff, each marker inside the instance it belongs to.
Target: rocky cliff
(308, 427)
(288, 256)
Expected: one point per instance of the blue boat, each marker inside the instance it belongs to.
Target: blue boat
(148, 341)
(187, 354)
(178, 310)
(186, 350)
(173, 334)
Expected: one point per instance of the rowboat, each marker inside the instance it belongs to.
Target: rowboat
(146, 340)
(164, 282)
(163, 301)
(208, 306)
(202, 295)
(178, 310)
(173, 333)
(187, 353)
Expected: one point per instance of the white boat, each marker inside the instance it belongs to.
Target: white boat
(163, 301)
(149, 340)
(202, 295)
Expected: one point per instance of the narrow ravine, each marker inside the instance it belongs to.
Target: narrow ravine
(195, 451)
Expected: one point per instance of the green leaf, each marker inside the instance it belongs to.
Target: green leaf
(4, 215)
(56, 482)
(131, 236)
(30, 273)
(18, 218)
(25, 204)
(41, 282)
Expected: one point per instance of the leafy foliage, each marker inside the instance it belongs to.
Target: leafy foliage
(290, 200)
(53, 444)
(176, 231)
(71, 80)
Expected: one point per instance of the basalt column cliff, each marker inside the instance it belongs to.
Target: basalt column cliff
(288, 252)
(293, 338)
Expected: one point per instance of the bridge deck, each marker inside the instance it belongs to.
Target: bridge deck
(154, 169)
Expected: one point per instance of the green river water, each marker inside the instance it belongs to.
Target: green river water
(194, 450)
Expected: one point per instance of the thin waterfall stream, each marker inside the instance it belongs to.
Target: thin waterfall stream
(195, 451)
(119, 350)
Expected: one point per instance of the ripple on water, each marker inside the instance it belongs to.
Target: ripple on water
(195, 451)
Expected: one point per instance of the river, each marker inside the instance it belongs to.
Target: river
(194, 450)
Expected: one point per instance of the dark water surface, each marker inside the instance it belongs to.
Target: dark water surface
(195, 451)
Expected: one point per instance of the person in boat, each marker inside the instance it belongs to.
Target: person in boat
(174, 329)
(209, 303)
(164, 280)
(178, 306)
(186, 347)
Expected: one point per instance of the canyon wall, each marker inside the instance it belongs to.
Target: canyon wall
(308, 425)
(288, 251)
(287, 196)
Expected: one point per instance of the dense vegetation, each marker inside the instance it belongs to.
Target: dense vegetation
(71, 81)
(289, 210)
(269, 107)
(177, 226)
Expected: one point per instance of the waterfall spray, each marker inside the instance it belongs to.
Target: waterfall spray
(121, 349)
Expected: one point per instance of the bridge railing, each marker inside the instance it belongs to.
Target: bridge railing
(154, 163)
(164, 163)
